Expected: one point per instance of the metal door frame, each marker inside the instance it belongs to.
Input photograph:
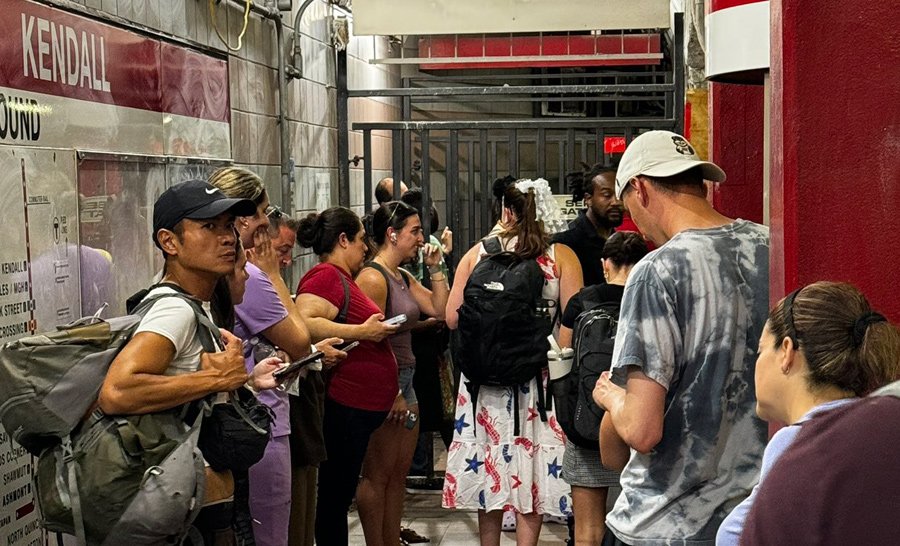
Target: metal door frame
(567, 133)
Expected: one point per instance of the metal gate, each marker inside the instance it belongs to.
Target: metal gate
(455, 162)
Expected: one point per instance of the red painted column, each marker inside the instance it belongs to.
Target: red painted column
(736, 132)
(835, 147)
(737, 39)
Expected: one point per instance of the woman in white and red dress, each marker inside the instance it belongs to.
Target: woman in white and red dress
(489, 467)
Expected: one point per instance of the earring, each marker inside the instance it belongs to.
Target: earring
(394, 238)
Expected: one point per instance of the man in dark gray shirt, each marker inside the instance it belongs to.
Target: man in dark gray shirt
(692, 314)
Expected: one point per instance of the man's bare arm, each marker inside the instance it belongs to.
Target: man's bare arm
(614, 452)
(135, 383)
(636, 411)
(319, 316)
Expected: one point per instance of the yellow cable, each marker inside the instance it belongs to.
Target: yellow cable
(212, 17)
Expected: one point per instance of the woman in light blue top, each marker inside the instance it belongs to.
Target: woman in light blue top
(822, 347)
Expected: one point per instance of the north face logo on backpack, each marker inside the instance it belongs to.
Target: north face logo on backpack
(501, 338)
(501, 335)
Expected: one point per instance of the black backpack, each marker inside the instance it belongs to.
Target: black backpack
(593, 340)
(504, 321)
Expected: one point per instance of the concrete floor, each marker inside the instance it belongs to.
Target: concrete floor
(423, 513)
(450, 527)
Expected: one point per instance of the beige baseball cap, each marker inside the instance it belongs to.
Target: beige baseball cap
(661, 154)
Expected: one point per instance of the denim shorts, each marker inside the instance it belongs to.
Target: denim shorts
(406, 385)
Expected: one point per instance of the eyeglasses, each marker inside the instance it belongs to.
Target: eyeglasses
(789, 317)
(273, 211)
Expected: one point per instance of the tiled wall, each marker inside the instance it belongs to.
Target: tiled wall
(311, 101)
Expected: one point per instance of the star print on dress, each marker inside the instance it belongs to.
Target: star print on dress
(460, 423)
(554, 468)
(515, 466)
(474, 463)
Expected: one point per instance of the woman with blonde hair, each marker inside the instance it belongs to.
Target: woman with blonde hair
(823, 346)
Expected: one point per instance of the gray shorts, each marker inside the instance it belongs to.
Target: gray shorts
(406, 385)
(582, 468)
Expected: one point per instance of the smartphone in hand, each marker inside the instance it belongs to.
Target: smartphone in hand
(295, 366)
(346, 346)
(396, 320)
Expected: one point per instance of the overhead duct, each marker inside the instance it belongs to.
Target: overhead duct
(415, 17)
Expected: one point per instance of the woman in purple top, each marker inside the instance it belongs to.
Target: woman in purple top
(266, 319)
(822, 347)
(396, 233)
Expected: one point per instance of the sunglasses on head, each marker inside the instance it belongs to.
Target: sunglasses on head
(393, 212)
(273, 211)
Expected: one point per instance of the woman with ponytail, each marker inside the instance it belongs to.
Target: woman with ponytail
(490, 467)
(396, 235)
(360, 390)
(822, 347)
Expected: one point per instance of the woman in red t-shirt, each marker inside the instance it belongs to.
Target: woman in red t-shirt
(361, 389)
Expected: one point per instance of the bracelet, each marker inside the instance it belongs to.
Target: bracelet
(442, 278)
(250, 388)
(434, 270)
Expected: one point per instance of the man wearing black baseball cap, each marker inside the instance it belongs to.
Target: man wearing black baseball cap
(195, 200)
(164, 364)
(681, 391)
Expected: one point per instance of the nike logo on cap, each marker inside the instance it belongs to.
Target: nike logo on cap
(212, 190)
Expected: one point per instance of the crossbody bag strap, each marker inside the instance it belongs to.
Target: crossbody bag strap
(345, 306)
(387, 281)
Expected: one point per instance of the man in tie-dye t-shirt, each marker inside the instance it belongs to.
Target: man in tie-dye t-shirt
(681, 392)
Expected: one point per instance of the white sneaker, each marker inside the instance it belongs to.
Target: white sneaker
(562, 520)
(509, 521)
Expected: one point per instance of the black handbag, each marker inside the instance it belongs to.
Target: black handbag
(235, 434)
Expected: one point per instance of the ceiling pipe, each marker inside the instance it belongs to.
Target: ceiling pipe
(295, 70)
(287, 162)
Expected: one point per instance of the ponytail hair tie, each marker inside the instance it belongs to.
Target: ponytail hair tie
(862, 324)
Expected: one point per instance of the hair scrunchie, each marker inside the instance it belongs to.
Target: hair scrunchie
(862, 324)
(547, 210)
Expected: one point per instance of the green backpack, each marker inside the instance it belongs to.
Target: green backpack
(135, 480)
(108, 480)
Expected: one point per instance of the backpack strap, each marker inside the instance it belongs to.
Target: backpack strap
(72, 477)
(492, 245)
(473, 388)
(210, 339)
(543, 402)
